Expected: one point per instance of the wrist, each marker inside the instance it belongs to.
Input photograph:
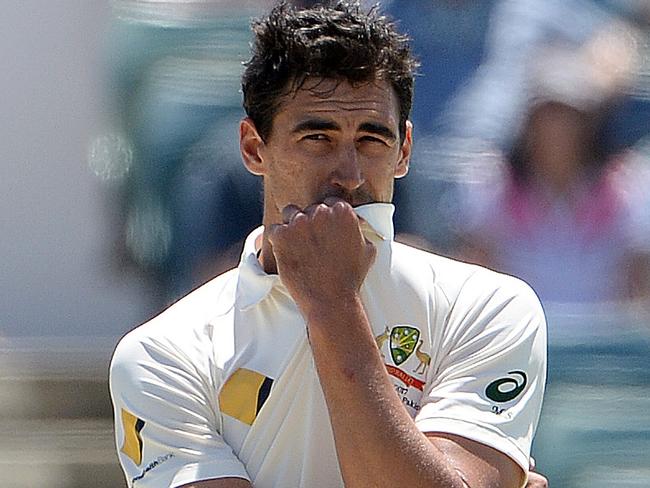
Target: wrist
(341, 339)
(334, 308)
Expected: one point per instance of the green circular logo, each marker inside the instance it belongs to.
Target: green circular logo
(508, 388)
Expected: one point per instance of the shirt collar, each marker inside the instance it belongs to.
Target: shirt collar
(379, 217)
(254, 284)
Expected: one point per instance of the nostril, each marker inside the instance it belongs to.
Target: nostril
(348, 176)
(348, 181)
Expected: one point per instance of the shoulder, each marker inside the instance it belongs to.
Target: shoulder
(486, 315)
(464, 285)
(179, 334)
(451, 274)
(499, 311)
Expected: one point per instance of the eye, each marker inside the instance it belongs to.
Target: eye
(315, 137)
(372, 139)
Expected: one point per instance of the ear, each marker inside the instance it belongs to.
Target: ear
(251, 145)
(405, 152)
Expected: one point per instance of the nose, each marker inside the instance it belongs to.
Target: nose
(347, 173)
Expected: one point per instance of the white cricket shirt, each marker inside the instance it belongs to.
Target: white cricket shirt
(223, 384)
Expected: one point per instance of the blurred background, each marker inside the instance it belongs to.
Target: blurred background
(122, 189)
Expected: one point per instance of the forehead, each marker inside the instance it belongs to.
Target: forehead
(335, 98)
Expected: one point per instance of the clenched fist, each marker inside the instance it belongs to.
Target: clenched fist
(322, 257)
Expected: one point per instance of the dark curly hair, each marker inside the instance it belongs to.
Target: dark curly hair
(335, 40)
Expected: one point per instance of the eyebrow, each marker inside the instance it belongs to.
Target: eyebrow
(379, 129)
(315, 124)
(321, 124)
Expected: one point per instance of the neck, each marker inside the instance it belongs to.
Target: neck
(272, 215)
(267, 258)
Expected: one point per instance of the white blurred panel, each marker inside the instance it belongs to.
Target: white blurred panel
(54, 273)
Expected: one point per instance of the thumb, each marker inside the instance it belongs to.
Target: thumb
(371, 252)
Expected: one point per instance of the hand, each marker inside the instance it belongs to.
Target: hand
(322, 257)
(536, 480)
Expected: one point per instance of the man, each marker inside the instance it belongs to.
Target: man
(332, 356)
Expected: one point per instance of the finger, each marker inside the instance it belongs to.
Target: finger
(371, 251)
(311, 210)
(273, 232)
(340, 206)
(331, 201)
(289, 212)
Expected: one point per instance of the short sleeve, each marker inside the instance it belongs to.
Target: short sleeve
(166, 422)
(489, 381)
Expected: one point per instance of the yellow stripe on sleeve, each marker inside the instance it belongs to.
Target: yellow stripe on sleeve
(132, 445)
(244, 394)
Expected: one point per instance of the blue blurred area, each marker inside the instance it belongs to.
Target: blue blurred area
(449, 40)
(595, 425)
(174, 82)
(186, 203)
(472, 93)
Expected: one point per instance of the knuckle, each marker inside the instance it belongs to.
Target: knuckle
(341, 205)
(314, 209)
(299, 222)
(321, 210)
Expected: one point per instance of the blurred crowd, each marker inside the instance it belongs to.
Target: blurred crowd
(530, 157)
(531, 152)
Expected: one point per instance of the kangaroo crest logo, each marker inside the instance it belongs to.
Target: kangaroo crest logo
(403, 340)
(507, 388)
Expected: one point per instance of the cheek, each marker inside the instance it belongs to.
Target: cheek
(380, 180)
(293, 172)
(381, 167)
(294, 182)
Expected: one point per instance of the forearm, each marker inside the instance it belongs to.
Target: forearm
(377, 442)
